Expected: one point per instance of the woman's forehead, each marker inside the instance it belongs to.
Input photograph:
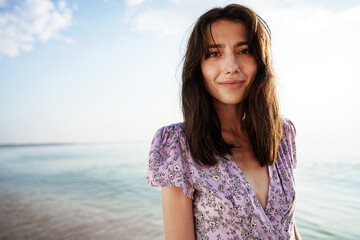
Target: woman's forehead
(222, 29)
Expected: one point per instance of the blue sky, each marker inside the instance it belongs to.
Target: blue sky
(106, 70)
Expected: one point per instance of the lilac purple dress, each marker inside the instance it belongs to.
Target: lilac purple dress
(224, 205)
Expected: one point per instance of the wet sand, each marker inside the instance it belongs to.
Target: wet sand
(50, 218)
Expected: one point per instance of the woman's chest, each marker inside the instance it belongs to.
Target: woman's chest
(254, 174)
(224, 192)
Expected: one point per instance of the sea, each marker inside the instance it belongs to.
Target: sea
(98, 191)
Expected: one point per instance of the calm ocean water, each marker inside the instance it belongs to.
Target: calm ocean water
(98, 191)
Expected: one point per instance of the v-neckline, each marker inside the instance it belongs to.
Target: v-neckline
(247, 182)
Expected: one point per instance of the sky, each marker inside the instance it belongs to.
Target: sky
(106, 70)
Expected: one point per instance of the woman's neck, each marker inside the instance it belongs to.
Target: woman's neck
(229, 116)
(232, 131)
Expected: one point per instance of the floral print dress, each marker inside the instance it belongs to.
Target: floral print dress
(224, 205)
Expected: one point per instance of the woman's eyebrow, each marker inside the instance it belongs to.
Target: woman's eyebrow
(239, 44)
(222, 46)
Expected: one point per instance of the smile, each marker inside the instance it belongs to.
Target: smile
(233, 83)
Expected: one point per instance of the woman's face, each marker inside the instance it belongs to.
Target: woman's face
(228, 69)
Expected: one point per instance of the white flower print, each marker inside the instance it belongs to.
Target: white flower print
(221, 207)
(176, 168)
(216, 178)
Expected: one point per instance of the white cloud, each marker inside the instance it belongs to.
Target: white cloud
(162, 22)
(62, 5)
(172, 17)
(31, 21)
(134, 2)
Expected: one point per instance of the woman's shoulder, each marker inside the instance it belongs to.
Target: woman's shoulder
(169, 134)
(288, 127)
(175, 128)
(287, 149)
(169, 159)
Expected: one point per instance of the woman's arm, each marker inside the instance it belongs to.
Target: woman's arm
(178, 214)
(297, 234)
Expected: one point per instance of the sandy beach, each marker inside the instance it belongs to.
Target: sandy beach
(52, 218)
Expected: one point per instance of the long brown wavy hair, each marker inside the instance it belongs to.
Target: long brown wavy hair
(260, 115)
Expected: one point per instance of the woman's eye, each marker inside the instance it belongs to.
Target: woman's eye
(244, 51)
(213, 54)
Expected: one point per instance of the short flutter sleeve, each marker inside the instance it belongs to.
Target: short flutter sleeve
(169, 160)
(289, 135)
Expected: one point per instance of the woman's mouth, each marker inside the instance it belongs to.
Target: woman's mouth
(232, 83)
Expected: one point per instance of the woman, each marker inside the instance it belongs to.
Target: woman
(227, 171)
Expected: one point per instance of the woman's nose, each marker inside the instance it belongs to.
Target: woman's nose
(231, 64)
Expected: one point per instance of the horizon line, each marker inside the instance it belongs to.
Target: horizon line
(3, 145)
